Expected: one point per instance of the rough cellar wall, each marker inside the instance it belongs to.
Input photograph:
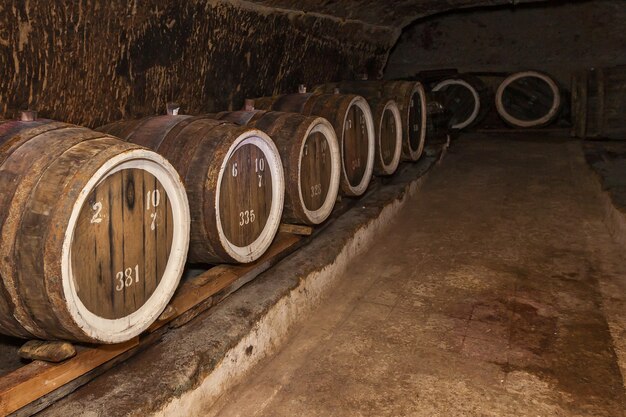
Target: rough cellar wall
(554, 38)
(94, 61)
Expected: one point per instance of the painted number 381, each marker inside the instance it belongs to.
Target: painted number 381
(126, 278)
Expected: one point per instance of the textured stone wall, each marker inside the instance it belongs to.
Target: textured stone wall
(395, 13)
(94, 61)
(554, 37)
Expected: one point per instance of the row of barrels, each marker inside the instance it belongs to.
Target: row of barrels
(525, 99)
(97, 225)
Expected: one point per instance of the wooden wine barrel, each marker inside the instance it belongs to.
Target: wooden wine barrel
(388, 125)
(234, 180)
(410, 97)
(351, 117)
(467, 99)
(94, 237)
(528, 99)
(311, 160)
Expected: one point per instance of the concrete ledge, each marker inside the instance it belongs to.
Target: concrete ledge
(614, 218)
(607, 161)
(193, 365)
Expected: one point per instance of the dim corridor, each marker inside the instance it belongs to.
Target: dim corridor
(497, 291)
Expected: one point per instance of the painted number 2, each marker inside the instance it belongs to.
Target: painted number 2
(126, 278)
(97, 217)
(153, 199)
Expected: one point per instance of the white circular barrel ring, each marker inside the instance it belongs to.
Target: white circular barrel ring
(390, 168)
(125, 328)
(414, 155)
(477, 105)
(326, 129)
(361, 187)
(556, 105)
(253, 251)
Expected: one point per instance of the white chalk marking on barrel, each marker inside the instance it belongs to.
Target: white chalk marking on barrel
(255, 249)
(322, 213)
(361, 103)
(119, 330)
(393, 165)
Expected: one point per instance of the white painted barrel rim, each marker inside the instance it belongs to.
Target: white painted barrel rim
(457, 81)
(361, 187)
(125, 328)
(556, 104)
(253, 251)
(390, 168)
(324, 127)
(415, 154)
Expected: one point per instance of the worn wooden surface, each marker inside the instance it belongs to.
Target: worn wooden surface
(598, 103)
(347, 119)
(43, 168)
(134, 213)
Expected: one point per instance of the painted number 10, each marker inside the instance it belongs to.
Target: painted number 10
(125, 278)
(153, 199)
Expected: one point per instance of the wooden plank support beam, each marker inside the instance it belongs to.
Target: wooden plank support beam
(296, 229)
(39, 381)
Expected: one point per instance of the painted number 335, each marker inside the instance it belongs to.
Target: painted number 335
(246, 217)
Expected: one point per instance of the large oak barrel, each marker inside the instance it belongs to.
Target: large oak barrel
(351, 117)
(528, 99)
(410, 97)
(234, 179)
(94, 237)
(467, 98)
(311, 159)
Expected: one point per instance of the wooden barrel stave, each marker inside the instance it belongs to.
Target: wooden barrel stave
(35, 277)
(64, 163)
(198, 147)
(291, 132)
(25, 160)
(336, 109)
